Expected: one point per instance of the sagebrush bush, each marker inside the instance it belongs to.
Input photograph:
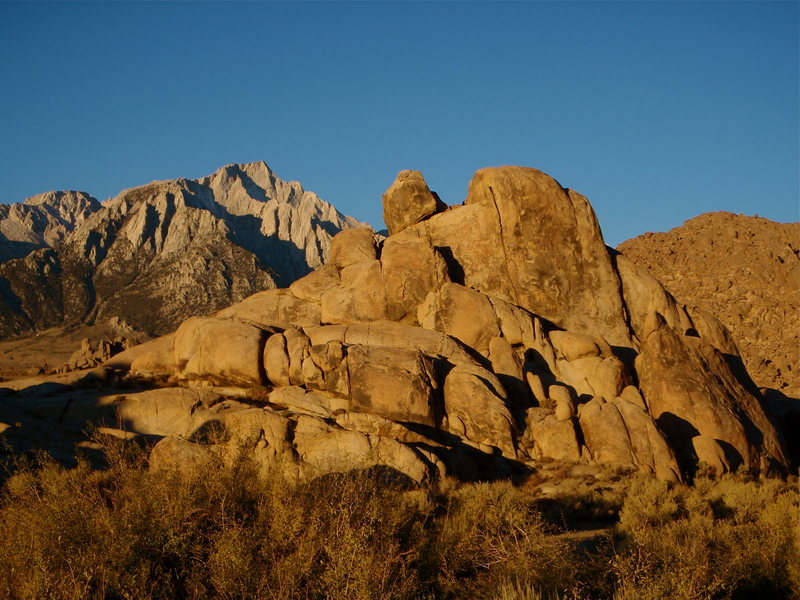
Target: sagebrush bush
(491, 533)
(718, 539)
(225, 530)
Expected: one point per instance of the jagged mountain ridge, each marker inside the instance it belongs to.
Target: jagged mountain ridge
(41, 221)
(745, 271)
(168, 250)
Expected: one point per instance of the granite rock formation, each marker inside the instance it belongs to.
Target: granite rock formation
(472, 342)
(746, 272)
(42, 221)
(158, 254)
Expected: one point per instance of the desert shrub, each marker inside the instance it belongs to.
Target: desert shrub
(719, 539)
(490, 533)
(219, 531)
(121, 532)
(340, 536)
(514, 590)
(596, 505)
(229, 529)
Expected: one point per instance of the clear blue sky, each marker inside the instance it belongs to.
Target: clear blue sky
(657, 111)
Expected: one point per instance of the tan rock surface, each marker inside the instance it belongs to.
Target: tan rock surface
(619, 432)
(476, 409)
(222, 350)
(360, 296)
(470, 343)
(357, 245)
(409, 201)
(556, 264)
(393, 383)
(393, 335)
(462, 313)
(274, 308)
(746, 272)
(710, 452)
(411, 269)
(691, 390)
(550, 436)
(152, 356)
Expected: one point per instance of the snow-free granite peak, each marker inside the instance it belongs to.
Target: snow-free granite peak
(159, 253)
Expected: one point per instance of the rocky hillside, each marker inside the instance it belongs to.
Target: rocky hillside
(475, 341)
(42, 221)
(746, 272)
(160, 253)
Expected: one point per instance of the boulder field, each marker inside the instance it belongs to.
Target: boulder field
(472, 341)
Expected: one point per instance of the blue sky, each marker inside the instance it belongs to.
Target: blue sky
(657, 111)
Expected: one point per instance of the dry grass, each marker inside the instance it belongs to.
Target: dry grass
(225, 532)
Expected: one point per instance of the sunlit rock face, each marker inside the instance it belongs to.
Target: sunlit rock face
(746, 272)
(160, 253)
(473, 341)
(41, 221)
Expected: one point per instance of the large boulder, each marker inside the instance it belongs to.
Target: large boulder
(462, 313)
(326, 449)
(411, 269)
(551, 437)
(394, 335)
(621, 433)
(360, 296)
(474, 401)
(162, 412)
(644, 295)
(311, 287)
(222, 350)
(352, 246)
(691, 390)
(394, 383)
(710, 453)
(409, 201)
(523, 238)
(152, 358)
(274, 308)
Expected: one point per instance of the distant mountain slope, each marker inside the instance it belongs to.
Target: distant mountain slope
(159, 253)
(41, 221)
(746, 272)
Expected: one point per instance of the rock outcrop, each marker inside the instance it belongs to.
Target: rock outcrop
(91, 354)
(42, 221)
(158, 254)
(472, 342)
(746, 272)
(409, 201)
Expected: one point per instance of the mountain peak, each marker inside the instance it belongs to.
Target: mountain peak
(42, 220)
(196, 245)
(67, 198)
(258, 171)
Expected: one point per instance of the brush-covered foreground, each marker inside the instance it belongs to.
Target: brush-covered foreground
(221, 531)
